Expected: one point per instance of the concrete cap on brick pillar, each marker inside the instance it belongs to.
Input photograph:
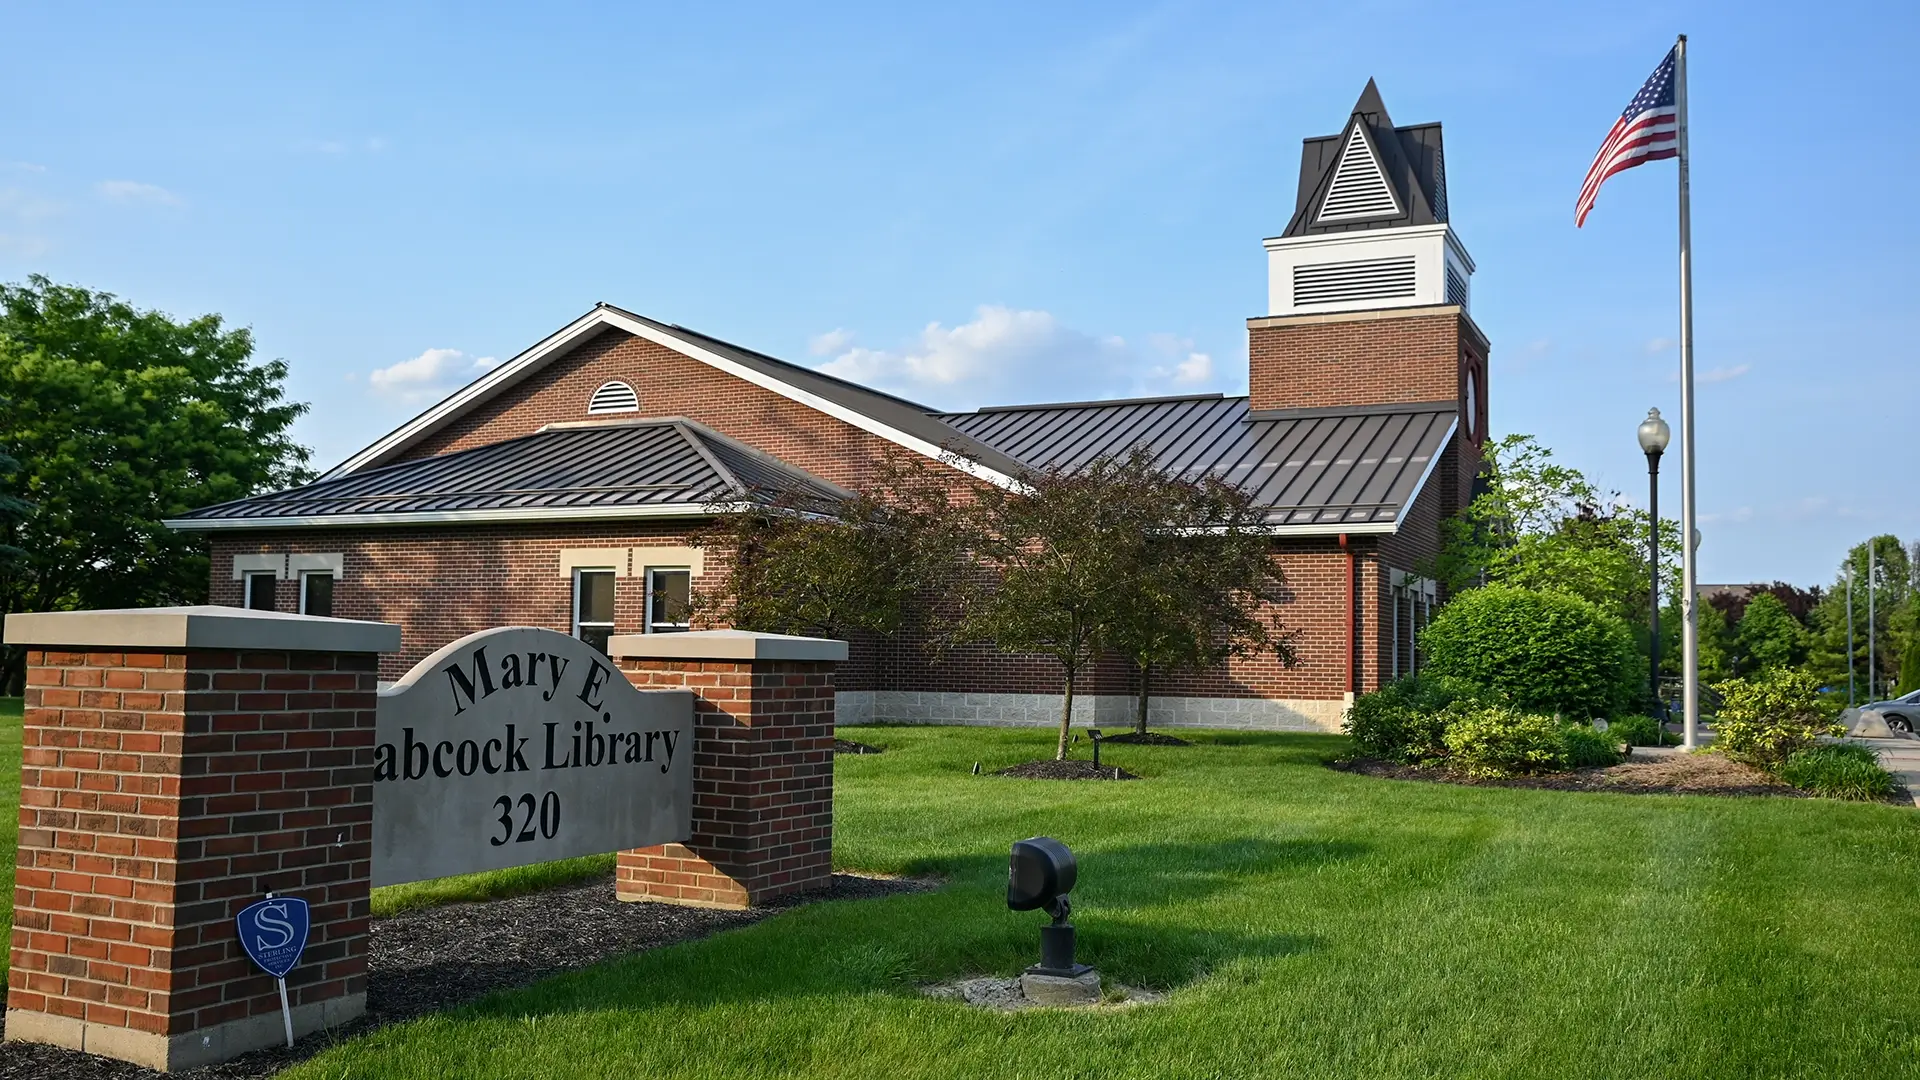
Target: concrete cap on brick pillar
(201, 627)
(725, 645)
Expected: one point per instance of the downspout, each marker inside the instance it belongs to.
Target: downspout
(1353, 603)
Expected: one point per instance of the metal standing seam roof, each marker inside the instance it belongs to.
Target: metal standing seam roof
(646, 466)
(1317, 467)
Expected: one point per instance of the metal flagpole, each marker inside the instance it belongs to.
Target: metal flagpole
(1871, 627)
(1689, 537)
(1850, 701)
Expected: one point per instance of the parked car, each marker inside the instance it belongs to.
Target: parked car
(1901, 713)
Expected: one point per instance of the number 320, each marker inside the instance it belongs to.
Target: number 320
(549, 819)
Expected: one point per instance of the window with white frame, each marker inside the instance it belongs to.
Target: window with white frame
(593, 605)
(669, 600)
(316, 592)
(259, 589)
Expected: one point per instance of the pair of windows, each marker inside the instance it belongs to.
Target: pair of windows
(315, 591)
(669, 599)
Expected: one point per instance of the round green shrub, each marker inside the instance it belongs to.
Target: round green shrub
(1839, 771)
(1402, 720)
(1496, 741)
(1544, 651)
(1768, 717)
(1588, 747)
(1637, 730)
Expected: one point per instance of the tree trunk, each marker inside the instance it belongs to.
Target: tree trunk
(1066, 718)
(1140, 721)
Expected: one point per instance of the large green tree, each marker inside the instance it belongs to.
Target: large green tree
(119, 418)
(1895, 621)
(1538, 524)
(1769, 637)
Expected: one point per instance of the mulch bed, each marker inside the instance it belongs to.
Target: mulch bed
(1065, 770)
(1150, 738)
(436, 958)
(848, 746)
(1675, 774)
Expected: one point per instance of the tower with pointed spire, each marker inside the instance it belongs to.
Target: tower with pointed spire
(1369, 288)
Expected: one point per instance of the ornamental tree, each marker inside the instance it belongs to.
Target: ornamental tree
(119, 418)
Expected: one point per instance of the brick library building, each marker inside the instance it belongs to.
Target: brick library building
(563, 489)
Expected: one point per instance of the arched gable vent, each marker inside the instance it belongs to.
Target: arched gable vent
(1359, 188)
(613, 397)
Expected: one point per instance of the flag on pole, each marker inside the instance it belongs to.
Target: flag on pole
(1647, 131)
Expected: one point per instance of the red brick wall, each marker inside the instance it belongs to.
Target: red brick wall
(161, 792)
(762, 784)
(669, 384)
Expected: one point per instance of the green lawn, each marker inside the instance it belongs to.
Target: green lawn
(1309, 923)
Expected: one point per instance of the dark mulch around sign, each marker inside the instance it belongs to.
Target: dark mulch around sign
(1145, 738)
(1673, 774)
(1065, 770)
(848, 746)
(427, 960)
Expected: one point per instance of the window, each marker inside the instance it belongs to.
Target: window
(316, 592)
(259, 589)
(593, 606)
(669, 600)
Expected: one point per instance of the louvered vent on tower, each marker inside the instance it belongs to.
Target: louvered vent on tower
(1456, 287)
(1359, 188)
(613, 397)
(1343, 282)
(1439, 184)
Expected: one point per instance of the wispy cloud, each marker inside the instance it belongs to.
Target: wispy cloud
(829, 343)
(21, 166)
(1660, 345)
(133, 192)
(22, 213)
(368, 145)
(428, 376)
(1005, 354)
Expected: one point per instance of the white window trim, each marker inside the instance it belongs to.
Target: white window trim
(259, 564)
(611, 624)
(647, 623)
(333, 563)
(246, 588)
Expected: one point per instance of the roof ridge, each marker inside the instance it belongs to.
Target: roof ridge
(1098, 403)
(727, 476)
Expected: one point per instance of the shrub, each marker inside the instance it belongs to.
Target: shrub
(1546, 651)
(1767, 717)
(1495, 740)
(1641, 731)
(1402, 720)
(1839, 771)
(1590, 748)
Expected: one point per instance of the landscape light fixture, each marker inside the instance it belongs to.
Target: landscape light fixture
(1654, 436)
(1040, 874)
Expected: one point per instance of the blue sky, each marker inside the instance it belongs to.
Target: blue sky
(980, 204)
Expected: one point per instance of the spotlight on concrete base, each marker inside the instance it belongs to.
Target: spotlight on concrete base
(1040, 874)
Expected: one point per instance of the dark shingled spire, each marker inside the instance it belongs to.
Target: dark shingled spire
(1409, 158)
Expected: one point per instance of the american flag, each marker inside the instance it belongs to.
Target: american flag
(1647, 131)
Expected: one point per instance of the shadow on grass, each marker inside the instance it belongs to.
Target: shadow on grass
(1146, 922)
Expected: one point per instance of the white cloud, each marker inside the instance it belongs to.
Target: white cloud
(428, 376)
(830, 342)
(1006, 355)
(25, 206)
(1660, 345)
(371, 145)
(1715, 375)
(133, 191)
(21, 215)
(22, 166)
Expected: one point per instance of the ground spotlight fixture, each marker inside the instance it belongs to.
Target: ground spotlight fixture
(1040, 874)
(1094, 734)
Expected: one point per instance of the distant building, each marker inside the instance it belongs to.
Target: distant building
(562, 488)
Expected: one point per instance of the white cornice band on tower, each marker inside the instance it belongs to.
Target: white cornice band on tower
(1366, 269)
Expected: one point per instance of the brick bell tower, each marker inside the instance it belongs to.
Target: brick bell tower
(1368, 290)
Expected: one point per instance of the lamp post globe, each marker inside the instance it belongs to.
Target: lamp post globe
(1654, 434)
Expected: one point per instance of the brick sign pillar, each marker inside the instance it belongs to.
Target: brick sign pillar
(762, 766)
(177, 764)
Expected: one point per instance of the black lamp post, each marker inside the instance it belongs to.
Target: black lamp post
(1654, 436)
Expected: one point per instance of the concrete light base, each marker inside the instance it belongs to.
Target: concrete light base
(207, 1046)
(1062, 991)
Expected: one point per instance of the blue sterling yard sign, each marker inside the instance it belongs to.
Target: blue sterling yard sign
(274, 933)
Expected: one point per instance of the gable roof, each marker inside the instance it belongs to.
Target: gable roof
(1318, 471)
(644, 468)
(1410, 161)
(897, 420)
